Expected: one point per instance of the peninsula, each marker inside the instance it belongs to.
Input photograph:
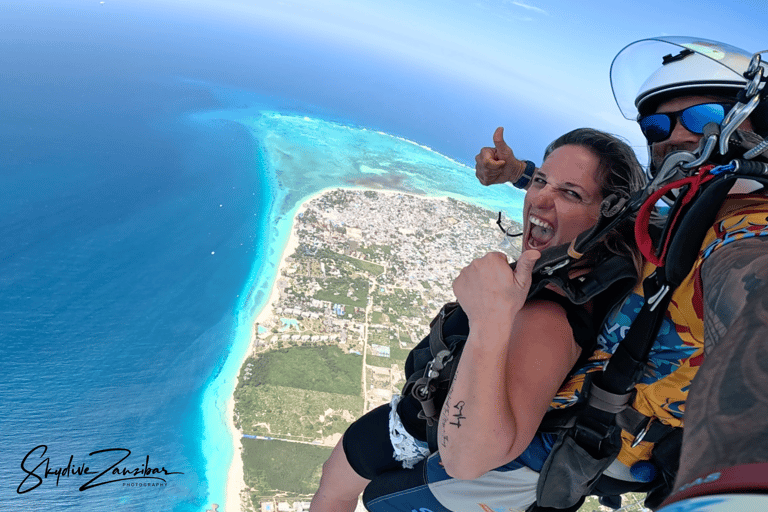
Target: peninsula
(362, 275)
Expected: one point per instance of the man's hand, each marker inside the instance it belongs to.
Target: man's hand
(498, 164)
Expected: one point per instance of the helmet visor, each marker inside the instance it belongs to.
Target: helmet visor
(632, 67)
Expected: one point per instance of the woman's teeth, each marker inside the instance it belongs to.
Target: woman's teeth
(546, 227)
(541, 232)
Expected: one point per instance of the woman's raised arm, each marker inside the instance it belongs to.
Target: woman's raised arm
(513, 363)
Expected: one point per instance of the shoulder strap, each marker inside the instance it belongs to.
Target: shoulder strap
(604, 410)
(612, 390)
(445, 342)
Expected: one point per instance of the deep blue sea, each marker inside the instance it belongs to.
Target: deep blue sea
(151, 160)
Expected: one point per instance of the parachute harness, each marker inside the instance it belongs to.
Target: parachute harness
(691, 185)
(589, 435)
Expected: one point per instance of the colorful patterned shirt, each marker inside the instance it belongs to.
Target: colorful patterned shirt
(679, 348)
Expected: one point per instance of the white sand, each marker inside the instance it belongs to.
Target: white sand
(235, 478)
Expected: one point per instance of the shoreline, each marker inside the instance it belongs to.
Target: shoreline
(235, 476)
(235, 483)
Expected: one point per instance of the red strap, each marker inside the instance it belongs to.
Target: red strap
(743, 478)
(642, 233)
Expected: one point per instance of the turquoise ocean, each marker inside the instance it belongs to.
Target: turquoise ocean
(149, 183)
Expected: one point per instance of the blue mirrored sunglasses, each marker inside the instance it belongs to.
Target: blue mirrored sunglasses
(658, 127)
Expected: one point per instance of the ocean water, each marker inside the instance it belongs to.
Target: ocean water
(149, 180)
(120, 265)
(128, 302)
(301, 157)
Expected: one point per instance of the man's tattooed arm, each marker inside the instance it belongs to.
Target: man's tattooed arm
(726, 415)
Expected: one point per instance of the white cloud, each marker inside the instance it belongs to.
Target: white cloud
(531, 8)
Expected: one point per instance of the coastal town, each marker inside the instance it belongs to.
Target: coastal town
(361, 278)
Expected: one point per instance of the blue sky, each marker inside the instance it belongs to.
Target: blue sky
(554, 54)
(538, 67)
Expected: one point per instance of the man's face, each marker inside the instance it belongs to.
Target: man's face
(681, 139)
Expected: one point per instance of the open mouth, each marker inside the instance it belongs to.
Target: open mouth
(540, 232)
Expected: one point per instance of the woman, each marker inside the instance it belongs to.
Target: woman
(514, 361)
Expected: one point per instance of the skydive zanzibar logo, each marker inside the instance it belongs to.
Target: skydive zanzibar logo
(107, 467)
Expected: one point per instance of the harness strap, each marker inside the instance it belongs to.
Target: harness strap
(629, 420)
(614, 274)
(436, 342)
(642, 427)
(604, 410)
(606, 401)
(693, 183)
(626, 366)
(423, 388)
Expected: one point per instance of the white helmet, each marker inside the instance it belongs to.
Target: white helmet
(688, 65)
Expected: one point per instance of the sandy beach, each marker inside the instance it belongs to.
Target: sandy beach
(235, 477)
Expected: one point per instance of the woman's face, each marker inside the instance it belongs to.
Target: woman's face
(563, 199)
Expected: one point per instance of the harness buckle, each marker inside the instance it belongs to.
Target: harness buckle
(432, 371)
(639, 437)
(551, 270)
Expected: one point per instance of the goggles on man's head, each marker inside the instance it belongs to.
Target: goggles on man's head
(658, 127)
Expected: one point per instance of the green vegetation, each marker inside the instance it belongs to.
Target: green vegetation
(405, 337)
(366, 266)
(349, 266)
(381, 336)
(337, 289)
(309, 217)
(324, 368)
(273, 467)
(302, 392)
(381, 362)
(398, 354)
(387, 338)
(407, 303)
(278, 411)
(376, 252)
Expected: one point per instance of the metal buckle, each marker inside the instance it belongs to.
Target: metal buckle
(551, 270)
(432, 371)
(639, 437)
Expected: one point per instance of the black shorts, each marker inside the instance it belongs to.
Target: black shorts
(366, 442)
(367, 446)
